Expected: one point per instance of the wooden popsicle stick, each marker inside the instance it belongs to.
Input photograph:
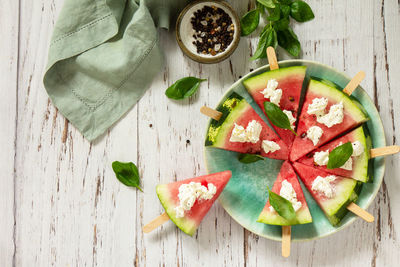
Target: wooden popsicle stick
(363, 214)
(156, 223)
(286, 237)
(212, 113)
(271, 55)
(352, 85)
(384, 151)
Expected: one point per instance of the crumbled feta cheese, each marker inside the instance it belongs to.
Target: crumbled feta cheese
(250, 134)
(358, 149)
(292, 119)
(314, 133)
(253, 131)
(321, 158)
(270, 146)
(272, 93)
(348, 165)
(323, 185)
(288, 193)
(317, 106)
(333, 117)
(189, 193)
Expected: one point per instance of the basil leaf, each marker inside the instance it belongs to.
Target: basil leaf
(267, 38)
(301, 11)
(277, 117)
(249, 22)
(339, 155)
(267, 3)
(127, 173)
(286, 2)
(274, 14)
(281, 24)
(249, 158)
(285, 10)
(289, 41)
(282, 206)
(183, 88)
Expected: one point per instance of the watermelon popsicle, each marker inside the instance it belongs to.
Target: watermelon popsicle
(186, 202)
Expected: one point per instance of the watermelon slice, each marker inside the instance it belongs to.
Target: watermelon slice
(237, 112)
(168, 195)
(359, 164)
(352, 117)
(290, 81)
(269, 216)
(344, 191)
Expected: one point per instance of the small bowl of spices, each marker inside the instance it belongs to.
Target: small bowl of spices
(208, 31)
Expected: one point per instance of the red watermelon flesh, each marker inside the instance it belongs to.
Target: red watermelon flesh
(353, 116)
(168, 195)
(266, 134)
(360, 163)
(345, 191)
(290, 80)
(303, 214)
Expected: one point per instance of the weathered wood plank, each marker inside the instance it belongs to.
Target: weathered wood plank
(8, 116)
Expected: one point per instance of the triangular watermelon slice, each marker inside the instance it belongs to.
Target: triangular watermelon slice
(270, 216)
(358, 165)
(238, 113)
(352, 117)
(335, 196)
(168, 195)
(290, 81)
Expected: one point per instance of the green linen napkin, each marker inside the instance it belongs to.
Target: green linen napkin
(103, 55)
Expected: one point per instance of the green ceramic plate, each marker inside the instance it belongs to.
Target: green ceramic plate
(245, 195)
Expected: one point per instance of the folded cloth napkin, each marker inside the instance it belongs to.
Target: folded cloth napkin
(103, 55)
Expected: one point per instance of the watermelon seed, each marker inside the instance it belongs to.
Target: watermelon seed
(303, 135)
(291, 98)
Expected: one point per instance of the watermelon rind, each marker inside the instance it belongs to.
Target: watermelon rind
(302, 216)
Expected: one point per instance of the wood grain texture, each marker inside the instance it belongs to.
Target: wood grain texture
(69, 210)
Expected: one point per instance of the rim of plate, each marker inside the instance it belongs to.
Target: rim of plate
(380, 124)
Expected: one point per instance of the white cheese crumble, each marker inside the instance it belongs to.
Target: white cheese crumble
(270, 146)
(189, 193)
(348, 165)
(314, 133)
(333, 117)
(288, 193)
(317, 106)
(292, 119)
(358, 148)
(323, 185)
(321, 158)
(272, 93)
(250, 134)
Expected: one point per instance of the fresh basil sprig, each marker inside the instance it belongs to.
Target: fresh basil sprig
(277, 30)
(183, 88)
(277, 117)
(282, 206)
(249, 158)
(127, 173)
(339, 155)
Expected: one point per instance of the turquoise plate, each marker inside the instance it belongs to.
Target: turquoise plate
(245, 195)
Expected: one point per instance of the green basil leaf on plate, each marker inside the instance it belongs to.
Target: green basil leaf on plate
(339, 155)
(289, 41)
(267, 38)
(249, 158)
(267, 3)
(249, 21)
(282, 206)
(183, 88)
(281, 24)
(277, 117)
(301, 11)
(127, 173)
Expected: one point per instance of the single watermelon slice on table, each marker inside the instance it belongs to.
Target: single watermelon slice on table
(287, 180)
(240, 129)
(356, 167)
(290, 81)
(170, 200)
(332, 193)
(327, 112)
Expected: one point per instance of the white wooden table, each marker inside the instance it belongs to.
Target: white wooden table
(61, 205)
